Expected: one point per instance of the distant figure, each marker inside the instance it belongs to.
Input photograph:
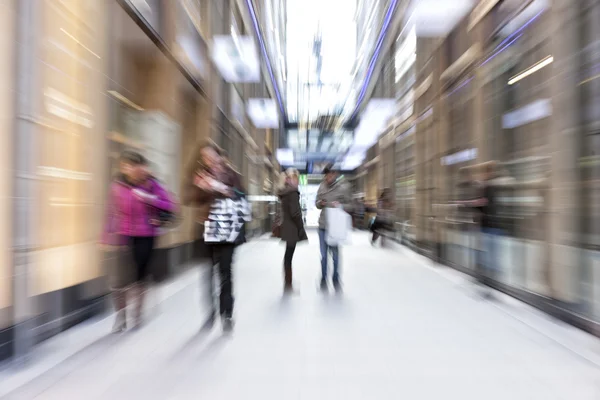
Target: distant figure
(358, 213)
(384, 221)
(292, 225)
(333, 192)
(491, 225)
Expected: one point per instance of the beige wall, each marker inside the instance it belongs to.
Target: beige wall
(7, 73)
(70, 138)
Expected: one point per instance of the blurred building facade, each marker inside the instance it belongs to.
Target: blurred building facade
(515, 82)
(88, 80)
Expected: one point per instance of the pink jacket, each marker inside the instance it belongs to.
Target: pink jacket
(130, 215)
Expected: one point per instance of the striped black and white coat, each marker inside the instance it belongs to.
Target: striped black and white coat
(226, 220)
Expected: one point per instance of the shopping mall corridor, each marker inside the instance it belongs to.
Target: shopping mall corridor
(402, 329)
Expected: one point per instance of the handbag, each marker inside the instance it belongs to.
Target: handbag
(276, 230)
(167, 219)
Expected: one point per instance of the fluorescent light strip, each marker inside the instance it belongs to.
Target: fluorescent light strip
(265, 55)
(78, 42)
(534, 68)
(382, 34)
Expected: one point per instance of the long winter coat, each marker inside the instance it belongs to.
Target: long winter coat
(292, 225)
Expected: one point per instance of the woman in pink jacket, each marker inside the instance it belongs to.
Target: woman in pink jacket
(135, 203)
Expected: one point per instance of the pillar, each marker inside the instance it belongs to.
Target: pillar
(564, 265)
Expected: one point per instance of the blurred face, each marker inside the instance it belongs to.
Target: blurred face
(330, 177)
(211, 158)
(143, 172)
(293, 180)
(127, 169)
(134, 172)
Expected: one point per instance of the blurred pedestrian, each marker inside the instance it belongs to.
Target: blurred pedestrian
(384, 220)
(292, 224)
(490, 223)
(334, 191)
(214, 186)
(136, 200)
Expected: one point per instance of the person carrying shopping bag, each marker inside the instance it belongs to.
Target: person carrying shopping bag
(292, 225)
(136, 201)
(334, 192)
(215, 188)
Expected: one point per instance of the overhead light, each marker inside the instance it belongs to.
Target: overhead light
(263, 113)
(534, 68)
(435, 18)
(285, 157)
(236, 58)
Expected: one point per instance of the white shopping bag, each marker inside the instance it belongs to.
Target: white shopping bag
(339, 226)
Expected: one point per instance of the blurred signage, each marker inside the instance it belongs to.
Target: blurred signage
(263, 113)
(149, 11)
(535, 111)
(190, 47)
(236, 58)
(460, 157)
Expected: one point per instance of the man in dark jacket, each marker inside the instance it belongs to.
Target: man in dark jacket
(334, 191)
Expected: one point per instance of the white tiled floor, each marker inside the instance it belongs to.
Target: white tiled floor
(402, 330)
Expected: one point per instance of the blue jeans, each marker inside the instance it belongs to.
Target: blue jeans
(335, 254)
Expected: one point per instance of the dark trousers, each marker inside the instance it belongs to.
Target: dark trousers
(290, 248)
(287, 264)
(221, 257)
(141, 250)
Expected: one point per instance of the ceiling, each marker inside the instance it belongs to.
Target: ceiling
(323, 53)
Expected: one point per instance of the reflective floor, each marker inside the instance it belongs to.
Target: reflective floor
(403, 328)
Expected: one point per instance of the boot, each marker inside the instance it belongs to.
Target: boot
(120, 301)
(288, 286)
(140, 293)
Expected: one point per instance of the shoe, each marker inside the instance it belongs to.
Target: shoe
(323, 285)
(228, 324)
(337, 285)
(120, 324)
(288, 287)
(139, 321)
(210, 322)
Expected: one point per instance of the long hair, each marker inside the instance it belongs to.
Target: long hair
(282, 179)
(128, 157)
(196, 162)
